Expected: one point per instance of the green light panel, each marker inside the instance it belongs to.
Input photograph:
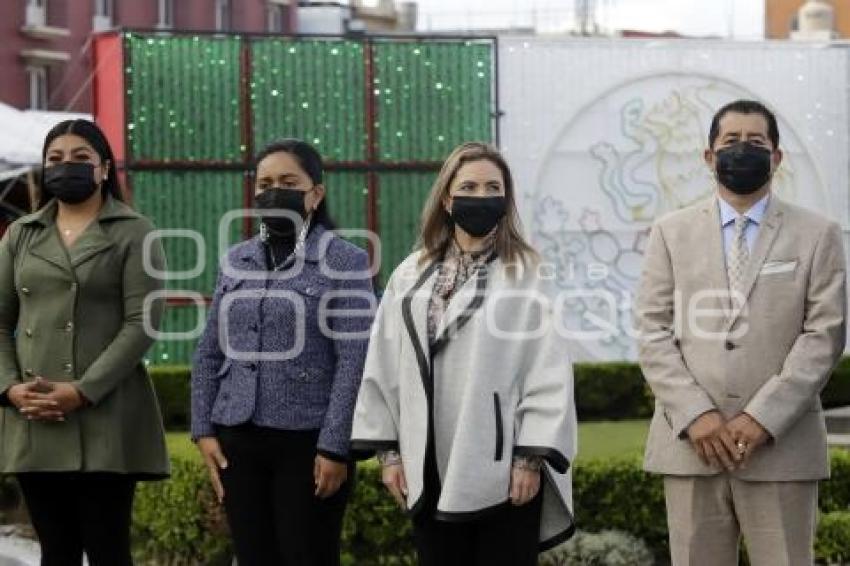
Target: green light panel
(313, 90)
(183, 98)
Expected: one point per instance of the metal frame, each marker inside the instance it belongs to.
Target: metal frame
(371, 166)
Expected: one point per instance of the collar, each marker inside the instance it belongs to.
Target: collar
(112, 209)
(314, 249)
(756, 213)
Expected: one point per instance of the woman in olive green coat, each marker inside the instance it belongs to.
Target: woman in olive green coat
(79, 423)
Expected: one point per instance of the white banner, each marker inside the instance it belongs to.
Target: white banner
(605, 135)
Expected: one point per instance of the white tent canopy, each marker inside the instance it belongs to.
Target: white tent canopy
(22, 134)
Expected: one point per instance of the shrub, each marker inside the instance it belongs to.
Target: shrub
(608, 548)
(375, 530)
(603, 391)
(173, 391)
(832, 545)
(611, 391)
(178, 521)
(834, 495)
(837, 390)
(618, 494)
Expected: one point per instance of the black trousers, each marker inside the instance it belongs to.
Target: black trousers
(275, 518)
(73, 512)
(507, 536)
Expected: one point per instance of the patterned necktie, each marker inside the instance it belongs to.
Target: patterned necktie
(739, 256)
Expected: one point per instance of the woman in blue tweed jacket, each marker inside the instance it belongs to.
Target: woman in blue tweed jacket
(277, 370)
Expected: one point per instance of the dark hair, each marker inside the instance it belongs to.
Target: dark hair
(90, 132)
(745, 107)
(310, 161)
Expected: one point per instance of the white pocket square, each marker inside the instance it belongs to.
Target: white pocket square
(772, 267)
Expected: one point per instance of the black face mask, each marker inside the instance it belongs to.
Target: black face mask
(281, 199)
(71, 183)
(478, 215)
(743, 168)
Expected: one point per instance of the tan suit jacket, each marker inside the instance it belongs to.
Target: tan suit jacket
(701, 349)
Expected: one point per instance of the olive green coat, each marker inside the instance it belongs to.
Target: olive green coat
(78, 315)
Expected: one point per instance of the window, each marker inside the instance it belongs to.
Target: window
(103, 8)
(222, 15)
(166, 14)
(36, 12)
(38, 87)
(276, 18)
(102, 19)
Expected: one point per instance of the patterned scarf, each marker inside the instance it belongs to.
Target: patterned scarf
(456, 269)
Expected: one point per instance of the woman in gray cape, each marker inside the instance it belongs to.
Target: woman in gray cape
(467, 393)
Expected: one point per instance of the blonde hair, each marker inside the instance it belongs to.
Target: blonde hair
(437, 226)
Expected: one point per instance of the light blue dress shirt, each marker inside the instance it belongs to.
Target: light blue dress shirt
(751, 232)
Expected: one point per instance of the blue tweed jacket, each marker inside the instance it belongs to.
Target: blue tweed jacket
(254, 316)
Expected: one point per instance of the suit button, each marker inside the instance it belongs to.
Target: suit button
(25, 290)
(304, 374)
(68, 368)
(255, 327)
(29, 372)
(730, 345)
(28, 332)
(253, 367)
(69, 326)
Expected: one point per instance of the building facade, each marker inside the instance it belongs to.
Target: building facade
(781, 18)
(45, 47)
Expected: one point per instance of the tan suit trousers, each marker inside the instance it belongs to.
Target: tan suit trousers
(707, 516)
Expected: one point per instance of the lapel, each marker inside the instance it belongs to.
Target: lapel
(91, 242)
(716, 258)
(770, 225)
(462, 306)
(414, 311)
(48, 246)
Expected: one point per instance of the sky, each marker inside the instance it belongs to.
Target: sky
(741, 19)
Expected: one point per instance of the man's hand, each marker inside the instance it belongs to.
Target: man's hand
(713, 442)
(747, 433)
(328, 475)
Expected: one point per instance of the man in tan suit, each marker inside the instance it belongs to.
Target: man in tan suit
(741, 311)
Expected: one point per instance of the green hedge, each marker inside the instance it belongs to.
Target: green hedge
(611, 391)
(833, 539)
(604, 391)
(173, 389)
(178, 521)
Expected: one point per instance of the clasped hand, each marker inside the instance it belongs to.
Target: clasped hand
(726, 444)
(43, 400)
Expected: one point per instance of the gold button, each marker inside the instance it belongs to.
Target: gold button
(25, 290)
(68, 368)
(69, 326)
